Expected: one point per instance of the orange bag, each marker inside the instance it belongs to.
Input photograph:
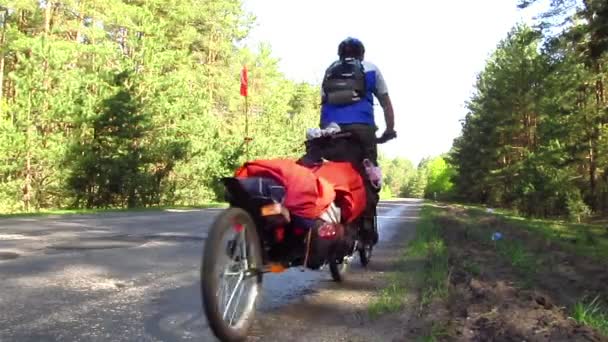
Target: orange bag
(310, 191)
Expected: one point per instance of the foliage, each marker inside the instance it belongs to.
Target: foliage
(534, 138)
(438, 173)
(110, 104)
(592, 314)
(397, 175)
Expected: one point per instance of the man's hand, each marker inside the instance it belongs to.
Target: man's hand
(386, 136)
(389, 134)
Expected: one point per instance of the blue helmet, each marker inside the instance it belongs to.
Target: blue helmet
(351, 47)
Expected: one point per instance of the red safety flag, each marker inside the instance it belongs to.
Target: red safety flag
(244, 81)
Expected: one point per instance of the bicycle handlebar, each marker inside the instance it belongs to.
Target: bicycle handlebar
(379, 140)
(384, 139)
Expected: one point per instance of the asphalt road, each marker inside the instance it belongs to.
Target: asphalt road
(127, 276)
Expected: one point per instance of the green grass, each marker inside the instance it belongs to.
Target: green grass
(591, 314)
(516, 254)
(522, 260)
(429, 245)
(580, 238)
(438, 330)
(427, 249)
(110, 210)
(392, 297)
(471, 267)
(512, 251)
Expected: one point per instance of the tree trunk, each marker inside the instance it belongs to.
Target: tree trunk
(599, 87)
(1, 80)
(22, 21)
(592, 168)
(601, 120)
(48, 13)
(3, 17)
(80, 21)
(27, 187)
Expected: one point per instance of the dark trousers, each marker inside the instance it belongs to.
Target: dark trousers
(366, 137)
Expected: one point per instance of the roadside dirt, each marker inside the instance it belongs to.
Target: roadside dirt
(339, 311)
(493, 295)
(497, 296)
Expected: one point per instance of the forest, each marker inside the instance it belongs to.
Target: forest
(112, 103)
(535, 138)
(124, 104)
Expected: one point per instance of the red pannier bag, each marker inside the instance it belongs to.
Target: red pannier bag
(310, 191)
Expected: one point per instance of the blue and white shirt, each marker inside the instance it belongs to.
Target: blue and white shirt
(361, 112)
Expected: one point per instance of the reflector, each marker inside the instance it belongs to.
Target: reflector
(327, 231)
(271, 209)
(279, 234)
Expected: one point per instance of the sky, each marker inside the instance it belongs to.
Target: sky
(429, 53)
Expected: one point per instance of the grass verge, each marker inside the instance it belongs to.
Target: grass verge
(437, 332)
(429, 245)
(580, 238)
(465, 270)
(110, 210)
(427, 248)
(391, 298)
(535, 250)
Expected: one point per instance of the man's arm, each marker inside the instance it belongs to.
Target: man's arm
(389, 115)
(385, 101)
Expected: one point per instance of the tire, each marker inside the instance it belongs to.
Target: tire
(225, 224)
(338, 271)
(366, 247)
(365, 254)
(376, 232)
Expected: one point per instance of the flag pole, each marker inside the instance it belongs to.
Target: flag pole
(246, 127)
(245, 93)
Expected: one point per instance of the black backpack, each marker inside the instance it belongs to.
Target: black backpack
(344, 82)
